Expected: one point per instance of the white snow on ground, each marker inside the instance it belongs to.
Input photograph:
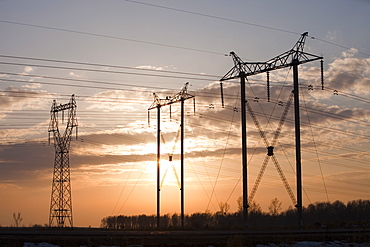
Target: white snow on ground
(316, 244)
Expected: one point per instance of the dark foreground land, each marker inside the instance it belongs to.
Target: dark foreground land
(99, 237)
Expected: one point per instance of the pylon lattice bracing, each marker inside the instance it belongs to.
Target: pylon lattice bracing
(61, 196)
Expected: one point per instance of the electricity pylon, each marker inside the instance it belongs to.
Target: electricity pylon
(158, 103)
(61, 198)
(241, 69)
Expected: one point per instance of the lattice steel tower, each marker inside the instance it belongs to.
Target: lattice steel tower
(61, 198)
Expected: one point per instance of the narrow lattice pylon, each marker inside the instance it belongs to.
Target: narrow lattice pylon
(61, 194)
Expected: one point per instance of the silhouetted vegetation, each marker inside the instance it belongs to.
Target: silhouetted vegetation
(17, 219)
(354, 214)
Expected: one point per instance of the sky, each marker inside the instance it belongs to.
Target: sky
(113, 55)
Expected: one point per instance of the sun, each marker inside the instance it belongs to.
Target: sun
(170, 172)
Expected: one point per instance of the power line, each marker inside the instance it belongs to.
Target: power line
(218, 119)
(341, 46)
(359, 98)
(71, 85)
(223, 157)
(110, 37)
(239, 22)
(174, 46)
(102, 71)
(348, 95)
(316, 151)
(106, 65)
(82, 80)
(213, 17)
(319, 112)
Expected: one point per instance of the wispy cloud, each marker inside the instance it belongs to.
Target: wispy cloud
(28, 69)
(73, 74)
(14, 98)
(332, 35)
(118, 100)
(151, 67)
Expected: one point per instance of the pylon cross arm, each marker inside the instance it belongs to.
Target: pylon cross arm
(170, 100)
(63, 107)
(282, 61)
(294, 56)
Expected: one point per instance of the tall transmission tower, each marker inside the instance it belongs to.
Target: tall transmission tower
(242, 70)
(158, 103)
(61, 198)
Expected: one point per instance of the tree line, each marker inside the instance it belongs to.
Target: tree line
(355, 213)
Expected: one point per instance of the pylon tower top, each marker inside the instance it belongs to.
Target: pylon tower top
(296, 55)
(182, 95)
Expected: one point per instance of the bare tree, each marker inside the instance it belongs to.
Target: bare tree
(240, 204)
(224, 207)
(17, 218)
(175, 219)
(254, 207)
(275, 207)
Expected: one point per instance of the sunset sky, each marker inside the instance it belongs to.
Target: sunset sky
(113, 55)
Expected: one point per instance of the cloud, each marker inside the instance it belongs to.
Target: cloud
(28, 69)
(346, 74)
(24, 161)
(16, 100)
(150, 67)
(332, 35)
(349, 74)
(15, 134)
(32, 86)
(13, 98)
(31, 163)
(73, 74)
(349, 53)
(118, 100)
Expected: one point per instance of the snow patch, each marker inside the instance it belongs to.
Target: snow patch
(315, 244)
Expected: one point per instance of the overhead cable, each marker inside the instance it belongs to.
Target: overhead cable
(110, 37)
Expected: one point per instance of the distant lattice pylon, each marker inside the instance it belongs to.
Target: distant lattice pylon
(61, 198)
